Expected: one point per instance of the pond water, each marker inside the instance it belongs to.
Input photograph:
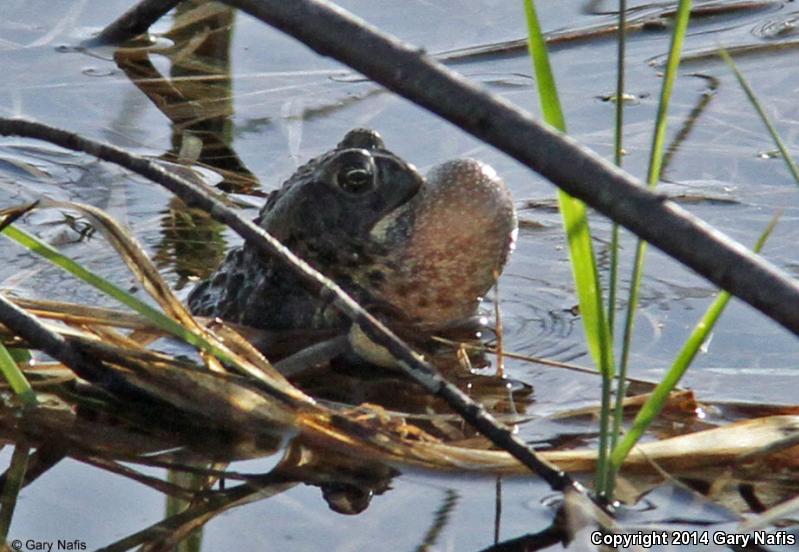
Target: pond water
(278, 104)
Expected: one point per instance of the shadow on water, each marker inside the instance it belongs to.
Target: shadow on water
(198, 98)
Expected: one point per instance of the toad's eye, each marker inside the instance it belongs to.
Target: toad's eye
(354, 172)
(355, 179)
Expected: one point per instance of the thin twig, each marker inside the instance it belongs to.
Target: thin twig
(498, 330)
(199, 513)
(413, 363)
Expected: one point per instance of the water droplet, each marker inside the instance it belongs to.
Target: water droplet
(553, 501)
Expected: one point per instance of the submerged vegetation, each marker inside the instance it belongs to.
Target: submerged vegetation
(120, 392)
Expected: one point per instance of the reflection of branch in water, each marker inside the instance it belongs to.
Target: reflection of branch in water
(707, 54)
(45, 457)
(191, 119)
(704, 100)
(441, 519)
(655, 17)
(497, 508)
(197, 100)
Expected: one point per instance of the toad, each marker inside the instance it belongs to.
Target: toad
(418, 250)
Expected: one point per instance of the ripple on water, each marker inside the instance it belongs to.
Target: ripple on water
(538, 319)
(777, 28)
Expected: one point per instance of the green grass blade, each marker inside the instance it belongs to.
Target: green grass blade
(656, 154)
(15, 378)
(656, 162)
(578, 233)
(618, 153)
(586, 280)
(750, 94)
(572, 210)
(653, 176)
(621, 47)
(20, 355)
(157, 318)
(547, 89)
(670, 76)
(660, 394)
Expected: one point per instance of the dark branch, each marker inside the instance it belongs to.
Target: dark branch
(135, 21)
(194, 196)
